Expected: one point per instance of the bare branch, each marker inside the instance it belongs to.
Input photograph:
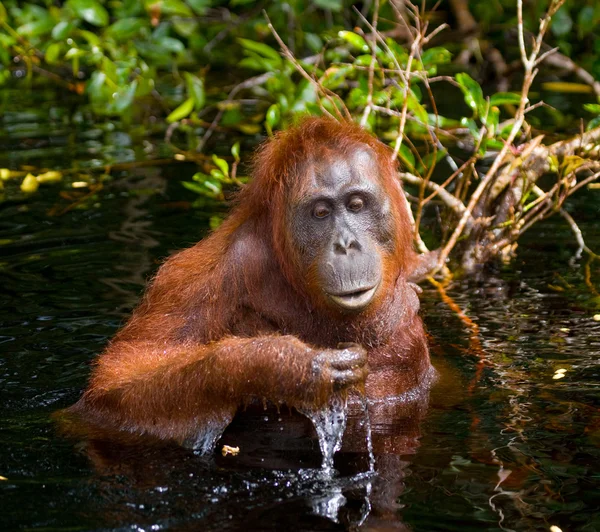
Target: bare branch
(373, 45)
(449, 200)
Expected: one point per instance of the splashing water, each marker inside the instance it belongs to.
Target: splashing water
(330, 424)
(368, 436)
(330, 505)
(366, 423)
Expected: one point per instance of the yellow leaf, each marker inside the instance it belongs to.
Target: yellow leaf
(52, 176)
(572, 163)
(30, 184)
(564, 86)
(233, 451)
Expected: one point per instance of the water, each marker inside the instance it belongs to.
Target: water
(330, 424)
(368, 433)
(499, 444)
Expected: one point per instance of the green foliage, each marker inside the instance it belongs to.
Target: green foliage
(90, 11)
(595, 109)
(473, 94)
(176, 60)
(182, 111)
(574, 27)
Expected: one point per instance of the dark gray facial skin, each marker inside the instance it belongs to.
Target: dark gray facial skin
(342, 226)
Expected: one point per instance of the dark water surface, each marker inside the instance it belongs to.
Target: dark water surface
(502, 445)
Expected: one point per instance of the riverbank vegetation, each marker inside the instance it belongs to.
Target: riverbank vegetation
(491, 107)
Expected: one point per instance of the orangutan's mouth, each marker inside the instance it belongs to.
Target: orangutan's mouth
(355, 300)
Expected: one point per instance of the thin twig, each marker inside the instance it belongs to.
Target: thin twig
(373, 44)
(578, 234)
(449, 200)
(330, 95)
(249, 83)
(529, 63)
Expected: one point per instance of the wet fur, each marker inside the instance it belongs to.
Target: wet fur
(233, 318)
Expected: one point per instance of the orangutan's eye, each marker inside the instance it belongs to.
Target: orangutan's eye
(355, 204)
(321, 211)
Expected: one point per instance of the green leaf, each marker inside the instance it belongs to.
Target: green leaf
(235, 151)
(217, 174)
(221, 164)
(96, 84)
(199, 177)
(90, 37)
(199, 6)
(592, 107)
(206, 188)
(472, 125)
(354, 40)
(306, 95)
(110, 69)
(416, 108)
(501, 98)
(52, 52)
(231, 117)
(36, 28)
(91, 11)
(125, 28)
(396, 51)
(182, 111)
(272, 116)
(431, 159)
(473, 93)
(124, 97)
(436, 56)
(195, 90)
(170, 7)
(443, 121)
(171, 44)
(205, 185)
(335, 76)
(407, 157)
(62, 30)
(363, 60)
(284, 104)
(74, 52)
(356, 98)
(594, 123)
(145, 87)
(215, 221)
(261, 49)
(194, 187)
(313, 41)
(331, 5)
(252, 63)
(492, 120)
(185, 27)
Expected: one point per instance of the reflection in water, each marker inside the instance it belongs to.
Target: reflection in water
(274, 445)
(137, 234)
(366, 423)
(330, 505)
